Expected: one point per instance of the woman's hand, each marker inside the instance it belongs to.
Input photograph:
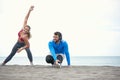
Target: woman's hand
(31, 8)
(19, 50)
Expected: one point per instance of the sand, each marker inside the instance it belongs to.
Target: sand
(46, 72)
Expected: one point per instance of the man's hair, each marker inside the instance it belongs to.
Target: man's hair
(59, 34)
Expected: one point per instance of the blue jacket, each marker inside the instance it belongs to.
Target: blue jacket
(62, 47)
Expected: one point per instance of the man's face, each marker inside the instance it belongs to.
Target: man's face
(56, 38)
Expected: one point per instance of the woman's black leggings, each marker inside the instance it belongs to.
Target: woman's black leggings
(14, 50)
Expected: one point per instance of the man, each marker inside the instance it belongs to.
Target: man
(58, 49)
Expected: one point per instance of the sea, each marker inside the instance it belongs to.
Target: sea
(75, 61)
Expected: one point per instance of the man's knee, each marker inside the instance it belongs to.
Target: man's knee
(60, 58)
(49, 59)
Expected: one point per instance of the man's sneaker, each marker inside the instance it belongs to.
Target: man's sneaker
(56, 65)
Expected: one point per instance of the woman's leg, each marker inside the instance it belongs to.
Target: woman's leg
(49, 59)
(29, 54)
(14, 50)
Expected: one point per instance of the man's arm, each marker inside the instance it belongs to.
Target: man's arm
(52, 51)
(67, 53)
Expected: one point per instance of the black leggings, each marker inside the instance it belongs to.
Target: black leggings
(49, 59)
(14, 50)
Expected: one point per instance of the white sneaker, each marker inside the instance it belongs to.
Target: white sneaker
(3, 64)
(31, 63)
(56, 65)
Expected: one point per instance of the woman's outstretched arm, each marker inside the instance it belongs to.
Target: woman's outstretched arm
(27, 16)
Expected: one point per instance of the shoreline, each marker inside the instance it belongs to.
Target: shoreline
(78, 61)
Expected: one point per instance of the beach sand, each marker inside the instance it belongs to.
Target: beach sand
(47, 72)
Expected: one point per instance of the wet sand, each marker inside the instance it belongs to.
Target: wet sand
(44, 72)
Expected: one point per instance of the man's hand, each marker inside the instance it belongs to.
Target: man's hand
(69, 66)
(57, 62)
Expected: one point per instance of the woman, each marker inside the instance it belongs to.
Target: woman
(22, 42)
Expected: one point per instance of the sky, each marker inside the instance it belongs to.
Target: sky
(90, 27)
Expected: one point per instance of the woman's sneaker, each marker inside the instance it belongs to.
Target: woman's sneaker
(3, 64)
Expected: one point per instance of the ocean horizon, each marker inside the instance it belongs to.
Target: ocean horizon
(75, 61)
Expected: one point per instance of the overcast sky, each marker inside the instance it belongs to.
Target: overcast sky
(91, 27)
